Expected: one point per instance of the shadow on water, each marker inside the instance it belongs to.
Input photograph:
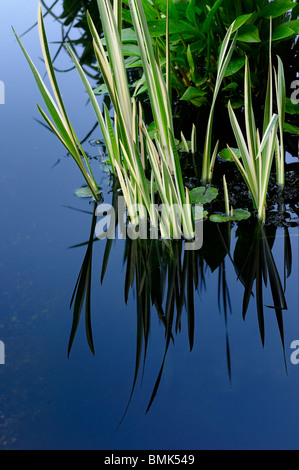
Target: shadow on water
(166, 278)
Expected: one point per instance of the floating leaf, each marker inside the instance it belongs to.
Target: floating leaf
(238, 214)
(203, 195)
(199, 213)
(218, 218)
(84, 192)
(226, 155)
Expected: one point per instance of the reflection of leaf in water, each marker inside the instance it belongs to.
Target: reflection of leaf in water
(82, 291)
(255, 263)
(166, 277)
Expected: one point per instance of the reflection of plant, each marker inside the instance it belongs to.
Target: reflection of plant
(254, 262)
(166, 278)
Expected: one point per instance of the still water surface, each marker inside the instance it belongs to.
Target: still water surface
(51, 401)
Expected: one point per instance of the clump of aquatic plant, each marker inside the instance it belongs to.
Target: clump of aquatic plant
(127, 140)
(257, 153)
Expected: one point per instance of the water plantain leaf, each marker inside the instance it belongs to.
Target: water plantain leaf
(234, 66)
(191, 11)
(283, 31)
(276, 8)
(195, 96)
(249, 33)
(226, 155)
(203, 195)
(158, 27)
(192, 93)
(162, 6)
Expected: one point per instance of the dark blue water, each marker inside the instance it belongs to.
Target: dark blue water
(51, 401)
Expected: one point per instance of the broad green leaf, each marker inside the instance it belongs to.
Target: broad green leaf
(240, 214)
(84, 192)
(218, 218)
(131, 50)
(283, 31)
(192, 93)
(158, 27)
(199, 213)
(294, 25)
(149, 10)
(190, 11)
(226, 155)
(127, 35)
(203, 195)
(276, 8)
(240, 20)
(231, 86)
(210, 16)
(248, 33)
(162, 6)
(234, 66)
(291, 108)
(290, 128)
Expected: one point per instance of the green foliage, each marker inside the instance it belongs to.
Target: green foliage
(237, 215)
(197, 29)
(203, 195)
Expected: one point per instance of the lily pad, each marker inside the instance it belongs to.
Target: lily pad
(203, 195)
(239, 214)
(199, 212)
(85, 192)
(218, 218)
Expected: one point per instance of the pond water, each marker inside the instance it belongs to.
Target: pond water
(228, 392)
